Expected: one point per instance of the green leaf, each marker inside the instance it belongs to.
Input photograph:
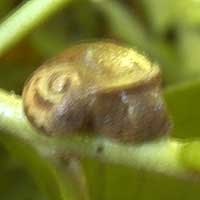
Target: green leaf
(15, 182)
(189, 11)
(161, 15)
(118, 182)
(189, 47)
(165, 14)
(183, 102)
(49, 178)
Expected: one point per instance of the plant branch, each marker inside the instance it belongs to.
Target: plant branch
(163, 156)
(25, 19)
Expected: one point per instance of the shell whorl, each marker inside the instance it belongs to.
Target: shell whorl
(45, 90)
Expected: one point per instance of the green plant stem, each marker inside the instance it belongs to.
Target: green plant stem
(163, 156)
(25, 19)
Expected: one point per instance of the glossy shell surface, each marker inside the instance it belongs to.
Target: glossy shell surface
(101, 87)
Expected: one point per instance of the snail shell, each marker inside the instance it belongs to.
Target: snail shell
(100, 87)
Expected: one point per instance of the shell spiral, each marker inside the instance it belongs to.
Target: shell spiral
(99, 87)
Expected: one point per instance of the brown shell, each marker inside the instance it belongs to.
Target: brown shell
(101, 87)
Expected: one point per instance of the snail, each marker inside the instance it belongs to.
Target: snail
(100, 87)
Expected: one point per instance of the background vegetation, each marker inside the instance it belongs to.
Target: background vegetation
(168, 32)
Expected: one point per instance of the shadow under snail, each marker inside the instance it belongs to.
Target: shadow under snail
(99, 87)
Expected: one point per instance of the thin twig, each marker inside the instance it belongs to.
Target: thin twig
(160, 156)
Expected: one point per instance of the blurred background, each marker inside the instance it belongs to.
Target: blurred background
(167, 31)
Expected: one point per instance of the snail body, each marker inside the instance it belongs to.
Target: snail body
(99, 87)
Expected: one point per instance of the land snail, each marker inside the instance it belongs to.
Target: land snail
(102, 88)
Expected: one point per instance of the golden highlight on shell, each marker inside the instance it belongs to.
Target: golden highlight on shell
(100, 87)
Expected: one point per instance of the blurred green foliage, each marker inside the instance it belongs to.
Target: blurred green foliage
(167, 31)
